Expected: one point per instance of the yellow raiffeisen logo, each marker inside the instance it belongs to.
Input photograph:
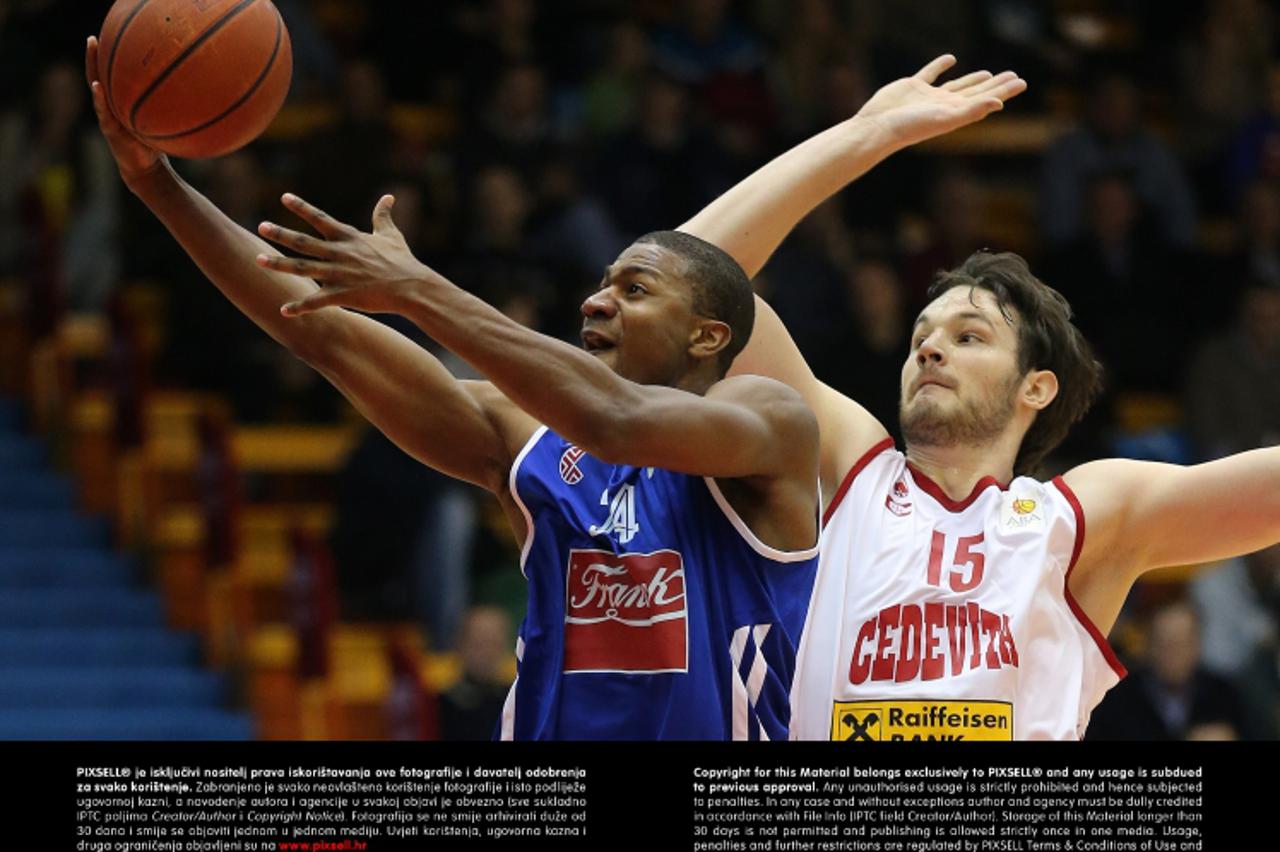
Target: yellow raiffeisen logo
(882, 721)
(1024, 507)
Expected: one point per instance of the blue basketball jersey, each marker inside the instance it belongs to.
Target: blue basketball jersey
(654, 612)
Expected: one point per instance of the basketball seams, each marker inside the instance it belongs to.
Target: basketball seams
(257, 84)
(115, 46)
(187, 52)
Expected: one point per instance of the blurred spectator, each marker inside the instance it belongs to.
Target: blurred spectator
(1233, 394)
(706, 41)
(346, 165)
(514, 128)
(1126, 286)
(472, 708)
(572, 228)
(314, 60)
(611, 96)
(661, 171)
(805, 283)
(58, 200)
(402, 540)
(1172, 696)
(1224, 67)
(905, 34)
(1254, 153)
(863, 358)
(877, 200)
(1114, 139)
(1255, 256)
(956, 214)
(499, 260)
(814, 41)
(1240, 600)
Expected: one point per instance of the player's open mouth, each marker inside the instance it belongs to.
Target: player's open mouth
(594, 341)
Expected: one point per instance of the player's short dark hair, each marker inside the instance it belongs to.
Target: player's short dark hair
(721, 289)
(1047, 340)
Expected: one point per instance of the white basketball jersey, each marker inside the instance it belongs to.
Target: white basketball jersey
(938, 619)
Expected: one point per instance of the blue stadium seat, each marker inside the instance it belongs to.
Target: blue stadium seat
(168, 686)
(120, 647)
(69, 607)
(91, 723)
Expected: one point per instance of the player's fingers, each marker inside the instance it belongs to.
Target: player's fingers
(382, 221)
(994, 85)
(322, 299)
(930, 72)
(961, 83)
(328, 226)
(300, 266)
(91, 59)
(296, 240)
(1010, 89)
(106, 118)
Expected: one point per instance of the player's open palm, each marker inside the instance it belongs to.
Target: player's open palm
(914, 109)
(373, 272)
(134, 159)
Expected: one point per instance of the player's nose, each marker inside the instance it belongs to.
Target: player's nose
(599, 305)
(930, 351)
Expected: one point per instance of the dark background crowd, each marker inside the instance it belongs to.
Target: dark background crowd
(527, 143)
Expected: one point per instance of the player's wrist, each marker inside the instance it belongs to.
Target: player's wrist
(152, 180)
(872, 134)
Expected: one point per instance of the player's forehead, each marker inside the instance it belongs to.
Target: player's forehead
(656, 264)
(968, 303)
(646, 257)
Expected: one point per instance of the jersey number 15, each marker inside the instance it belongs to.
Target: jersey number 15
(968, 561)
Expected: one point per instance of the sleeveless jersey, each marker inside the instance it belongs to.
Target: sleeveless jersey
(654, 612)
(935, 619)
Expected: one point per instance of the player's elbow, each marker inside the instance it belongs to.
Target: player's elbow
(318, 342)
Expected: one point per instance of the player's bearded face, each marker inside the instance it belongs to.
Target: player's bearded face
(944, 418)
(961, 380)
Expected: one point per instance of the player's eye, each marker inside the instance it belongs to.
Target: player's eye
(635, 289)
(969, 337)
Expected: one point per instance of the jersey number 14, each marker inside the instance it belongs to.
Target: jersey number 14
(622, 515)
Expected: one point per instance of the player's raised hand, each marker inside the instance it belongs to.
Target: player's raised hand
(134, 159)
(917, 108)
(372, 272)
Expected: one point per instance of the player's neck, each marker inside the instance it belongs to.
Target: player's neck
(958, 469)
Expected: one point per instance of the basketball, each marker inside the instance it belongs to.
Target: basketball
(195, 78)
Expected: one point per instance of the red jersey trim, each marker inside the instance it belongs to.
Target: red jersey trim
(1103, 645)
(934, 490)
(886, 444)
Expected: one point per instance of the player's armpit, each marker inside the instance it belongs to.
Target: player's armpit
(847, 429)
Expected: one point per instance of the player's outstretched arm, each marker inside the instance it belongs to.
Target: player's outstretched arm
(462, 429)
(1140, 516)
(751, 220)
(742, 427)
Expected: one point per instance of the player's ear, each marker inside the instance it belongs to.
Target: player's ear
(1039, 388)
(708, 337)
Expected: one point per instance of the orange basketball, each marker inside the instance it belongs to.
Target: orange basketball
(195, 78)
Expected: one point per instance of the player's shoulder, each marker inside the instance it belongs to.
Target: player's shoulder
(769, 397)
(1102, 480)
